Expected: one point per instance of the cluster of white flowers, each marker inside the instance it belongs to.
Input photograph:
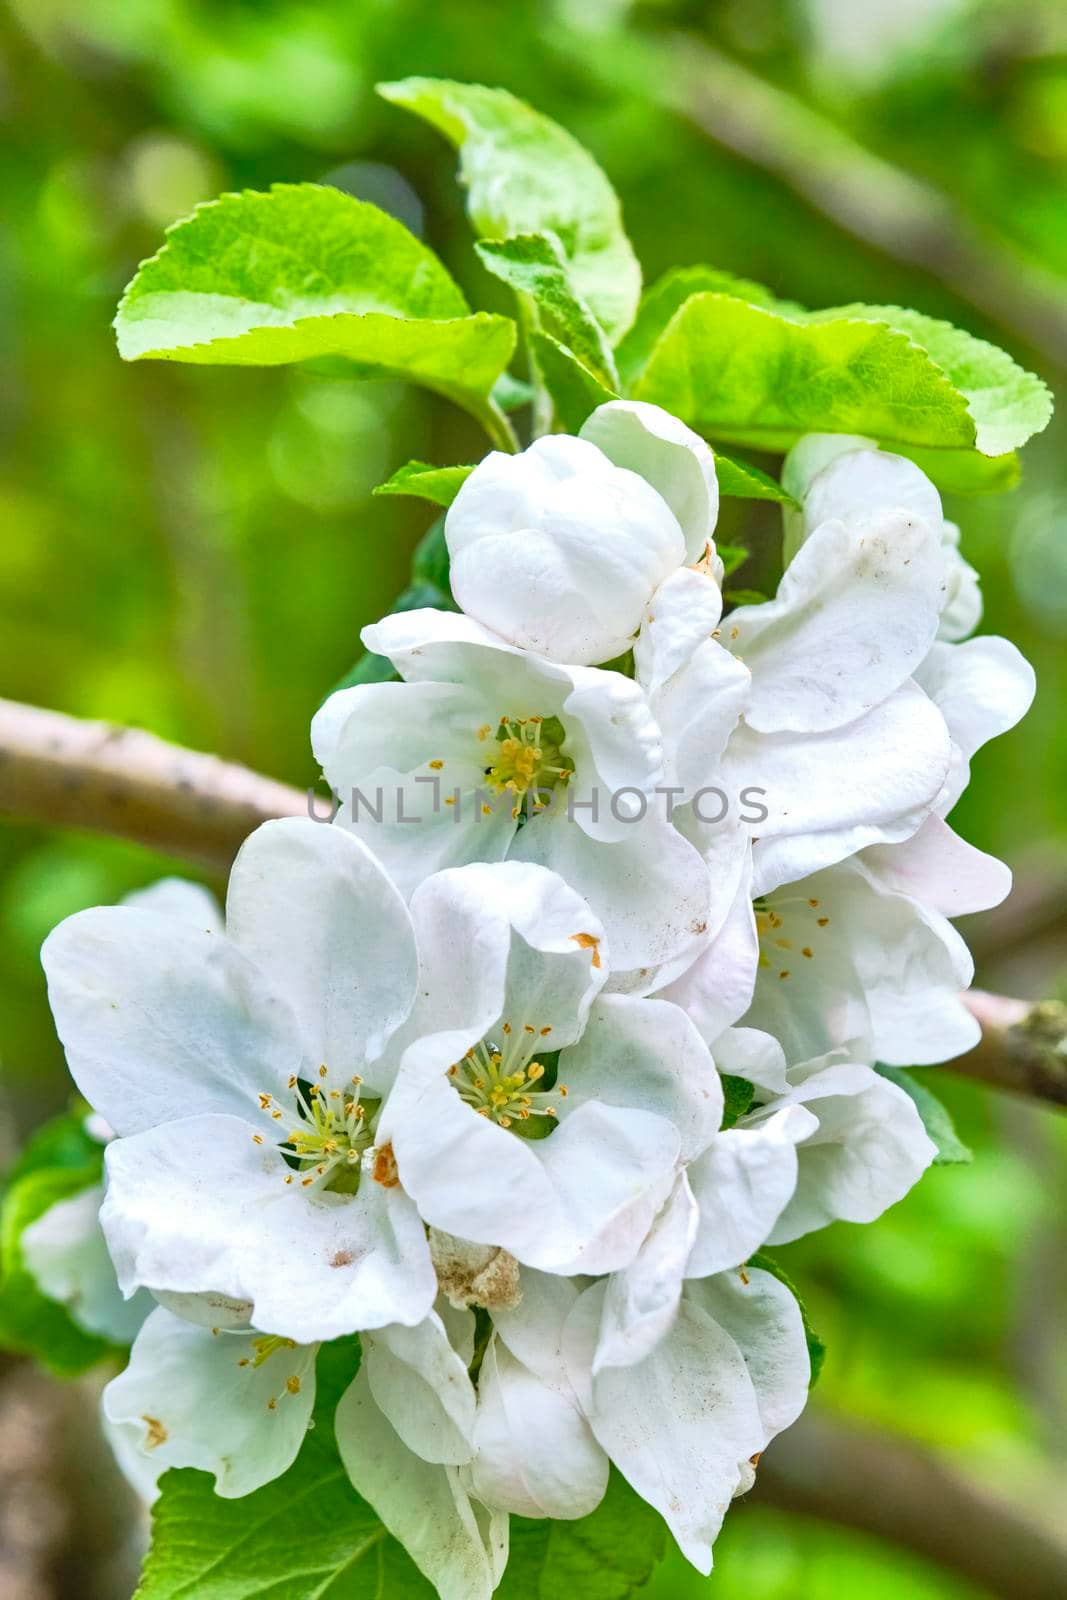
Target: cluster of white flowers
(450, 1072)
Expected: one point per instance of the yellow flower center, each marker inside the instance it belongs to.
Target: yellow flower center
(500, 1080)
(529, 756)
(789, 928)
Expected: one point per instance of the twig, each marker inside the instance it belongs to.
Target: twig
(898, 1491)
(58, 770)
(1023, 1047)
(906, 217)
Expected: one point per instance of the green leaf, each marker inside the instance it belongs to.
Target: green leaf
(574, 389)
(816, 1347)
(306, 1536)
(426, 482)
(965, 471)
(738, 1095)
(745, 597)
(511, 394)
(1006, 403)
(749, 375)
(430, 565)
(732, 556)
(740, 481)
(60, 1142)
(667, 295)
(306, 271)
(533, 265)
(951, 1150)
(608, 1555)
(29, 1321)
(526, 174)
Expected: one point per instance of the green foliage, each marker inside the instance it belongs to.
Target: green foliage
(305, 271)
(747, 374)
(575, 391)
(816, 1346)
(57, 1164)
(606, 1556)
(755, 375)
(426, 482)
(525, 174)
(1006, 404)
(667, 295)
(951, 1150)
(732, 556)
(533, 264)
(738, 1095)
(740, 481)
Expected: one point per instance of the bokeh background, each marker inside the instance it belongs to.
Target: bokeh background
(195, 551)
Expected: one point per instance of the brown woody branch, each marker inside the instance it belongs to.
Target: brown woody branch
(870, 1481)
(61, 771)
(1023, 1046)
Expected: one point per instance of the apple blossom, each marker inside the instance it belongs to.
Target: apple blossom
(559, 549)
(486, 751)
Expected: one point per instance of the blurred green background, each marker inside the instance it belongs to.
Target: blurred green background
(195, 550)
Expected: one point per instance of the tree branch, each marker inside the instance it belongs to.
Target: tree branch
(881, 1485)
(1023, 1047)
(58, 770)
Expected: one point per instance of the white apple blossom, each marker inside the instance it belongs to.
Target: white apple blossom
(232, 1402)
(804, 707)
(486, 751)
(836, 475)
(686, 1420)
(559, 549)
(243, 1072)
(513, 965)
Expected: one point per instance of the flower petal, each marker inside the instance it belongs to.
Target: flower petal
(563, 569)
(157, 1016)
(177, 897)
(831, 794)
(741, 1185)
(686, 1416)
(765, 1322)
(509, 942)
(646, 1054)
(422, 1386)
(315, 911)
(671, 457)
(197, 1205)
(856, 612)
(681, 615)
(938, 868)
(642, 1300)
(982, 688)
(717, 988)
(536, 1455)
(650, 888)
(867, 1150)
(424, 1506)
(211, 1401)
